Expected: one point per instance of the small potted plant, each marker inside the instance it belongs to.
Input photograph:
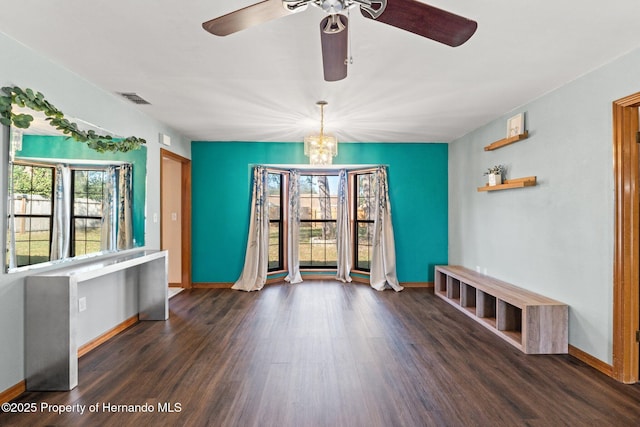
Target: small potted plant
(495, 175)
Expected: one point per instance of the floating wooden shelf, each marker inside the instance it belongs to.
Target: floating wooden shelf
(528, 181)
(507, 141)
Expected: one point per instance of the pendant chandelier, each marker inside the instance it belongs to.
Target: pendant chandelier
(321, 148)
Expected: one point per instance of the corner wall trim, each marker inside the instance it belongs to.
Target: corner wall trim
(212, 285)
(417, 284)
(590, 360)
(13, 392)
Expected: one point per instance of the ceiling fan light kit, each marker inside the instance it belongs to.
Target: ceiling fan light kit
(332, 6)
(334, 39)
(409, 15)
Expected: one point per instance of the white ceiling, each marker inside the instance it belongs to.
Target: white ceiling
(262, 84)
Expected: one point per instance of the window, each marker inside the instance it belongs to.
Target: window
(318, 214)
(318, 210)
(33, 213)
(34, 209)
(274, 188)
(86, 216)
(364, 207)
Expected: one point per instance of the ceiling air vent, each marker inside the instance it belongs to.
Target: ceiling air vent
(134, 97)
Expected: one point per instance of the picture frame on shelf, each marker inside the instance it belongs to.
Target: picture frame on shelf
(515, 125)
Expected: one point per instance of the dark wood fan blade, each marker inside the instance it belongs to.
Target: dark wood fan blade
(246, 17)
(427, 21)
(334, 39)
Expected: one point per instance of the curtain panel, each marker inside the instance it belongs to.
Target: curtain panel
(256, 260)
(61, 232)
(125, 228)
(293, 229)
(107, 228)
(383, 253)
(343, 233)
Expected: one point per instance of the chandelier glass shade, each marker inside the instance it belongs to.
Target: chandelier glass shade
(321, 148)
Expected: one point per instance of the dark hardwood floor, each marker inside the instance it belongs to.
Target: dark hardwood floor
(326, 354)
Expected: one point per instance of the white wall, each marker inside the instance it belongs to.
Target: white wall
(76, 97)
(555, 238)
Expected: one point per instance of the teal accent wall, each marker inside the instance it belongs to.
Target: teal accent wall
(60, 147)
(221, 177)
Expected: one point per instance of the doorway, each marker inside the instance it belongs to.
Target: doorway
(175, 216)
(626, 269)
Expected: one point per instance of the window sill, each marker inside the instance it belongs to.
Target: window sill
(362, 272)
(317, 273)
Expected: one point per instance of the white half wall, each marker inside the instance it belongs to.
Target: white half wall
(556, 238)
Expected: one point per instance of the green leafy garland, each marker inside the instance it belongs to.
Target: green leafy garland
(36, 101)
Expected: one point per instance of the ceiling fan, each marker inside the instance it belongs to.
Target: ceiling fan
(410, 15)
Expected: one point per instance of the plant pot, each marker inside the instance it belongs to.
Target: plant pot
(495, 179)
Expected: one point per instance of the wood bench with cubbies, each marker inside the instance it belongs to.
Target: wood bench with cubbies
(531, 322)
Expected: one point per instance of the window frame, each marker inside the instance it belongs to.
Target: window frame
(280, 222)
(306, 267)
(72, 252)
(30, 216)
(356, 222)
(73, 216)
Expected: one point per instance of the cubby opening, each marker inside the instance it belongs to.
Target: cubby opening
(453, 288)
(486, 307)
(510, 320)
(440, 283)
(468, 297)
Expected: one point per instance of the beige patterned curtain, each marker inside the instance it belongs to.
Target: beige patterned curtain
(61, 232)
(256, 260)
(293, 250)
(383, 253)
(108, 225)
(343, 235)
(125, 228)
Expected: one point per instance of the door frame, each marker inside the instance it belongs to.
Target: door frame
(626, 269)
(185, 213)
